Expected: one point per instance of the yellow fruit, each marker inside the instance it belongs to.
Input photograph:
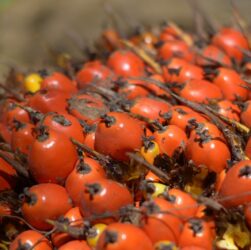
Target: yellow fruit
(32, 82)
(95, 232)
(156, 188)
(194, 188)
(165, 244)
(151, 152)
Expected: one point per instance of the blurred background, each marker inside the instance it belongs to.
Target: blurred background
(29, 28)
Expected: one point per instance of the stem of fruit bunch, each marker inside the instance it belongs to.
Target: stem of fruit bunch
(35, 116)
(15, 217)
(163, 176)
(90, 151)
(143, 55)
(5, 147)
(183, 35)
(16, 165)
(65, 227)
(42, 238)
(3, 246)
(233, 139)
(12, 93)
(209, 59)
(239, 126)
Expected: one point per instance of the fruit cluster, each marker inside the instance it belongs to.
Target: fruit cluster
(144, 146)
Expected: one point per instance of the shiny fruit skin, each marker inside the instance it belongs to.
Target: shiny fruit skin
(235, 188)
(28, 239)
(207, 153)
(175, 48)
(231, 41)
(124, 134)
(83, 173)
(231, 84)
(229, 110)
(75, 219)
(49, 101)
(170, 139)
(92, 72)
(158, 225)
(41, 197)
(58, 82)
(184, 202)
(200, 91)
(97, 196)
(126, 64)
(75, 245)
(196, 232)
(149, 107)
(181, 115)
(214, 53)
(48, 161)
(22, 138)
(119, 236)
(65, 124)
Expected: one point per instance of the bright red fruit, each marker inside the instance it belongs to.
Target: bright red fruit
(29, 239)
(52, 156)
(43, 202)
(123, 236)
(125, 63)
(117, 134)
(104, 196)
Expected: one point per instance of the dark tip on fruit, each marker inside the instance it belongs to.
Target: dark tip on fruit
(199, 43)
(151, 207)
(23, 246)
(43, 73)
(29, 197)
(211, 71)
(63, 219)
(166, 246)
(169, 197)
(181, 111)
(245, 171)
(163, 62)
(93, 189)
(203, 137)
(166, 116)
(36, 116)
(91, 232)
(174, 71)
(148, 187)
(192, 122)
(61, 120)
(148, 142)
(111, 237)
(196, 226)
(83, 168)
(108, 120)
(42, 133)
(12, 106)
(86, 127)
(18, 125)
(159, 44)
